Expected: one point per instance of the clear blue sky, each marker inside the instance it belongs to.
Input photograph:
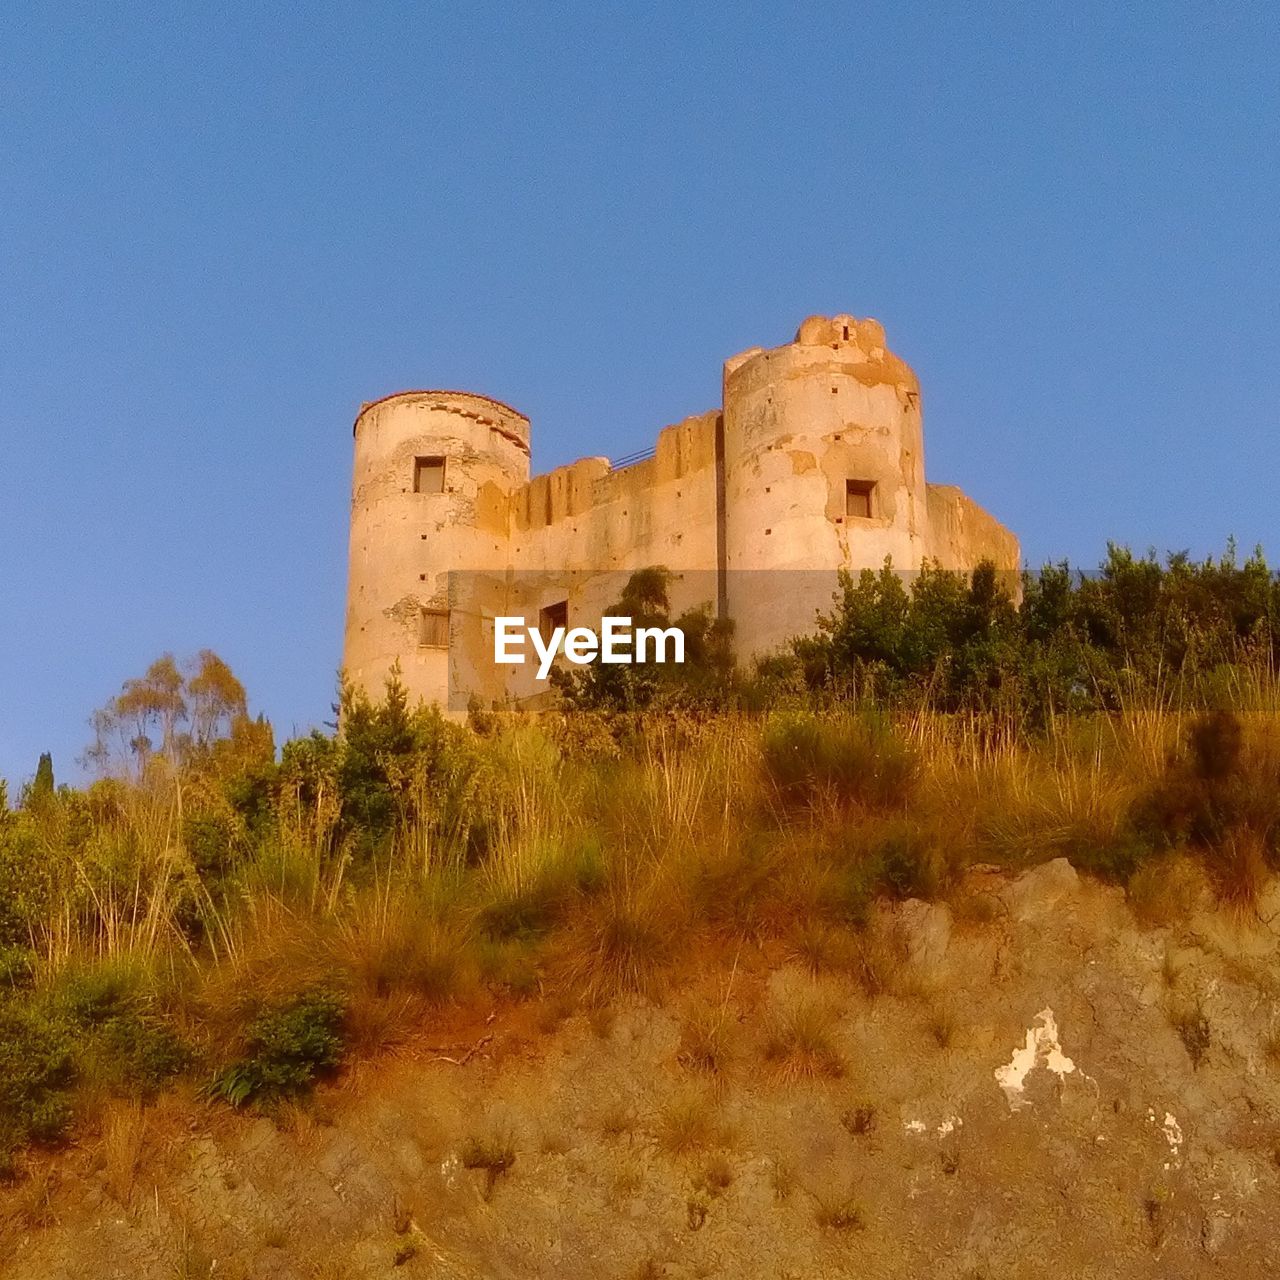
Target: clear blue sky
(224, 226)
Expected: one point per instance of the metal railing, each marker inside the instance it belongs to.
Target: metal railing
(630, 459)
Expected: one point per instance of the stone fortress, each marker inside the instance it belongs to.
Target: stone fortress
(814, 462)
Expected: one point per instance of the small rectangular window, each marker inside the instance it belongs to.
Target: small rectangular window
(859, 498)
(553, 616)
(428, 475)
(434, 629)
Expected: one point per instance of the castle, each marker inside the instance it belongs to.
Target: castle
(814, 462)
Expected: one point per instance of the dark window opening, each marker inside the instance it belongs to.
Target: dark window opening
(428, 475)
(433, 629)
(859, 498)
(846, 333)
(553, 616)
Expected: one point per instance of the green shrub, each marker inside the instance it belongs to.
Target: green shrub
(909, 864)
(93, 995)
(1114, 858)
(25, 884)
(210, 839)
(17, 967)
(286, 1048)
(138, 1053)
(121, 1041)
(36, 1073)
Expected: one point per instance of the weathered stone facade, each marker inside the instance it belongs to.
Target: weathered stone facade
(814, 462)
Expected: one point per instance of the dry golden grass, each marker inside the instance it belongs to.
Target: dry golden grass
(822, 947)
(706, 1035)
(1239, 869)
(1164, 890)
(620, 943)
(800, 1035)
(688, 1120)
(124, 1132)
(493, 1153)
(943, 1023)
(839, 1213)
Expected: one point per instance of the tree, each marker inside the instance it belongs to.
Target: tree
(41, 789)
(144, 720)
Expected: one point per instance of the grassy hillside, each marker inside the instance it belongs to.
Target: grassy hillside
(212, 911)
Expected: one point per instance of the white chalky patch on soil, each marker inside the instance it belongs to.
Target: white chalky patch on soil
(1172, 1131)
(1041, 1048)
(914, 1126)
(949, 1125)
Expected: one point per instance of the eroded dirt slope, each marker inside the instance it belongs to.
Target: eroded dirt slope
(1043, 1086)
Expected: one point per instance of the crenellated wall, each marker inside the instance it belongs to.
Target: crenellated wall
(814, 463)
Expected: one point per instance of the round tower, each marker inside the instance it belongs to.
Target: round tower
(431, 496)
(824, 468)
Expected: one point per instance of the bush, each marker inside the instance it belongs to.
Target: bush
(909, 864)
(1075, 642)
(141, 1053)
(846, 760)
(121, 1042)
(286, 1048)
(25, 891)
(36, 1073)
(530, 907)
(1222, 794)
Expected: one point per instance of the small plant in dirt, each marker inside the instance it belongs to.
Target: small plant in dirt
(839, 1215)
(715, 1178)
(1192, 1025)
(799, 1037)
(688, 1121)
(601, 1018)
(859, 1120)
(617, 1119)
(696, 1212)
(782, 1178)
(286, 1048)
(494, 1155)
(1271, 1043)
(943, 1024)
(704, 1040)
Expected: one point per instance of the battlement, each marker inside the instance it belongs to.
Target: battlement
(464, 404)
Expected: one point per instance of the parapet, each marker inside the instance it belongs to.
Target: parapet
(832, 331)
(489, 412)
(822, 345)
